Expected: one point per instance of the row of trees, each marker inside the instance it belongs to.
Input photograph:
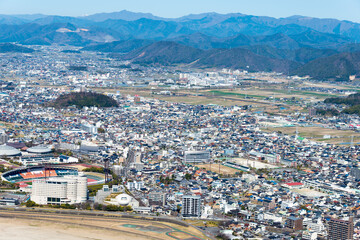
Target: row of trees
(112, 208)
(94, 169)
(83, 206)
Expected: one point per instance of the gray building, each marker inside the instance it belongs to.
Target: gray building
(355, 172)
(191, 206)
(4, 138)
(197, 156)
(157, 198)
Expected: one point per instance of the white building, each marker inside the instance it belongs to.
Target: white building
(89, 128)
(59, 190)
(124, 200)
(309, 235)
(315, 226)
(135, 185)
(207, 212)
(269, 216)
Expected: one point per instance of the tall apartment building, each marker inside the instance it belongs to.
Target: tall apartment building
(133, 160)
(339, 229)
(294, 223)
(191, 206)
(4, 138)
(59, 190)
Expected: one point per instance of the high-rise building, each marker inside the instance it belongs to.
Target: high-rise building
(59, 190)
(133, 157)
(339, 229)
(133, 160)
(191, 206)
(4, 138)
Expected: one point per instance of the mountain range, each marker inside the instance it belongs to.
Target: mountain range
(293, 45)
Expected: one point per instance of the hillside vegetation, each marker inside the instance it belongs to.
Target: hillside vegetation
(353, 101)
(9, 47)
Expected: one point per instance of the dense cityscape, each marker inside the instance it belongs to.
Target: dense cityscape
(126, 125)
(223, 164)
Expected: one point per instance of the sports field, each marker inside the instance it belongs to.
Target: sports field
(309, 193)
(215, 168)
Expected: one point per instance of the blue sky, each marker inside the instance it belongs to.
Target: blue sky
(340, 9)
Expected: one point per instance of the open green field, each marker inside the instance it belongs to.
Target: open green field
(317, 134)
(273, 98)
(262, 93)
(242, 95)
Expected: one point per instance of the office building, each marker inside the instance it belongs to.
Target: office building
(59, 190)
(191, 206)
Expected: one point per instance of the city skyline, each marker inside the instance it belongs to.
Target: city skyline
(342, 10)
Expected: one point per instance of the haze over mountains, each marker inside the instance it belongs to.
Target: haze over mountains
(294, 45)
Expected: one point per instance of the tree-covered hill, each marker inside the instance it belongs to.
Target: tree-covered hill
(83, 99)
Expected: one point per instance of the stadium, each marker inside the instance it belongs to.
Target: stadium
(37, 172)
(26, 175)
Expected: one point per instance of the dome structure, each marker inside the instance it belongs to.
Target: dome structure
(123, 199)
(39, 150)
(9, 151)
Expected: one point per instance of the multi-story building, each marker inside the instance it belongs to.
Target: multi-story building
(355, 172)
(133, 160)
(191, 206)
(89, 128)
(59, 190)
(197, 156)
(316, 226)
(4, 138)
(157, 198)
(339, 229)
(294, 223)
(135, 185)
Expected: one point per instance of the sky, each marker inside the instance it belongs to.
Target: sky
(339, 9)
